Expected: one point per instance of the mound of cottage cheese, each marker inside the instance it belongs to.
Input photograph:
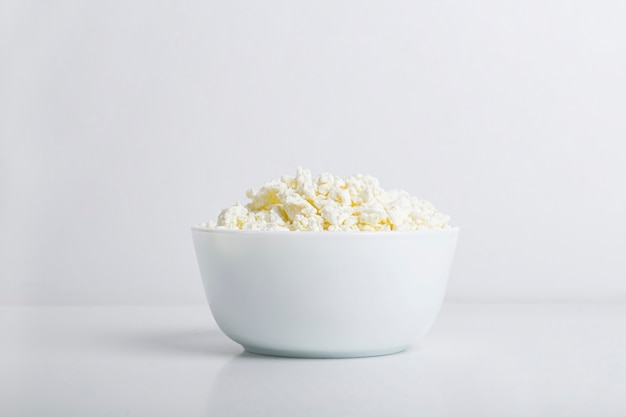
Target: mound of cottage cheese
(327, 202)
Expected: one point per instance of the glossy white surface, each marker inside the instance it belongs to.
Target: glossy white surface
(482, 360)
(325, 294)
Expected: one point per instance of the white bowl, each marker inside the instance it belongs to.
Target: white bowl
(324, 294)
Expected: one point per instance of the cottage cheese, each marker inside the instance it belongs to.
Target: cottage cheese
(327, 202)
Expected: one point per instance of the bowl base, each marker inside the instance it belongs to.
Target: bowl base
(314, 354)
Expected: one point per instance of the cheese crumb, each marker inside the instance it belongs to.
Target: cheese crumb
(327, 202)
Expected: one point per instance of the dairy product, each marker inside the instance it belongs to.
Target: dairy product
(327, 202)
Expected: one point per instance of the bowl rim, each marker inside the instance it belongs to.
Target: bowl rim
(202, 229)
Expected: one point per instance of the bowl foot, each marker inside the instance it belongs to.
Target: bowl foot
(322, 354)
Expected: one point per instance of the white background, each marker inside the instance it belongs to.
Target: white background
(124, 123)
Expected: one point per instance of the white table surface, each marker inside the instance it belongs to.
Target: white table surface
(478, 360)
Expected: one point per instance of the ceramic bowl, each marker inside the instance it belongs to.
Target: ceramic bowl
(324, 294)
